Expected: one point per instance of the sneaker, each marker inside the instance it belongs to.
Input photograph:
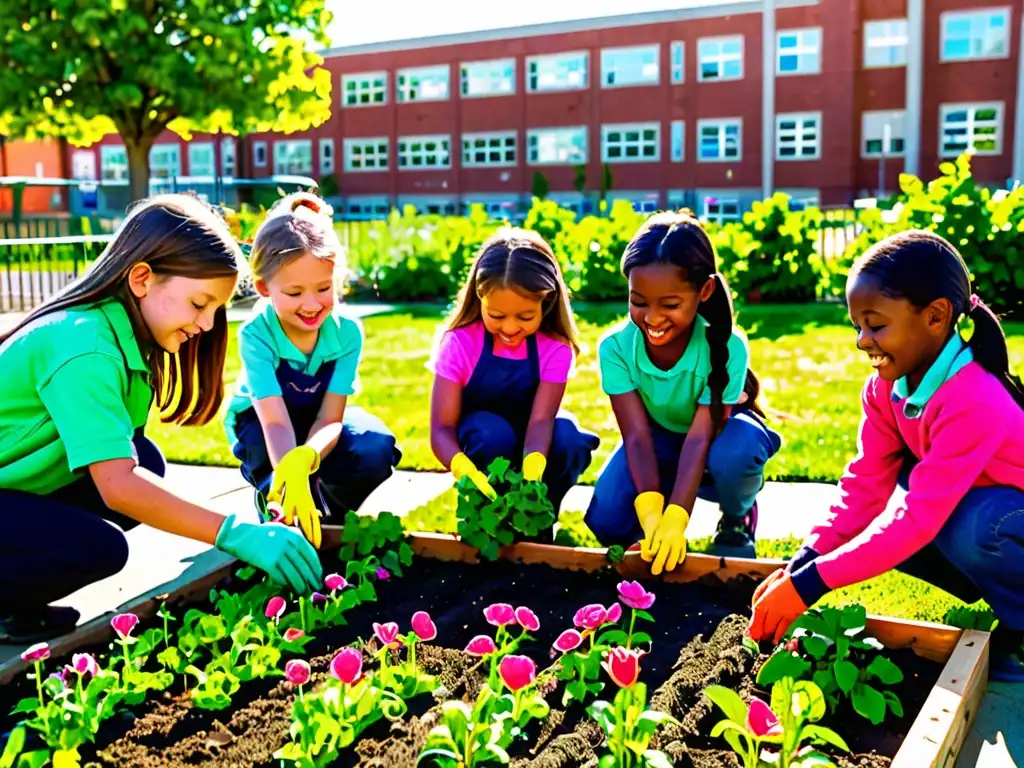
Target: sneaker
(735, 536)
(1006, 662)
(38, 624)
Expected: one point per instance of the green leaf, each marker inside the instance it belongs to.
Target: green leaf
(810, 700)
(816, 646)
(853, 617)
(895, 706)
(644, 615)
(15, 743)
(825, 735)
(782, 664)
(869, 703)
(26, 705)
(729, 702)
(887, 672)
(846, 673)
(35, 759)
(654, 758)
(641, 637)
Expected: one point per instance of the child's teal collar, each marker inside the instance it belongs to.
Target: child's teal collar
(954, 356)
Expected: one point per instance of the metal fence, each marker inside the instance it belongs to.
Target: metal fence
(34, 268)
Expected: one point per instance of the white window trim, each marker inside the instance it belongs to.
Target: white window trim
(106, 151)
(435, 137)
(560, 88)
(585, 149)
(193, 147)
(256, 147)
(428, 72)
(1000, 108)
(362, 76)
(608, 52)
(361, 141)
(947, 15)
(503, 62)
(800, 51)
(865, 116)
(682, 141)
(293, 143)
(228, 149)
(327, 165)
(816, 116)
(868, 47)
(176, 153)
(721, 121)
(721, 61)
(617, 127)
(720, 219)
(488, 136)
(677, 45)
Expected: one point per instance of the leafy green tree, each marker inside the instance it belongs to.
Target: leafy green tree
(85, 68)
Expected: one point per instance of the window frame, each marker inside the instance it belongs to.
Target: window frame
(357, 77)
(798, 143)
(888, 34)
(292, 143)
(680, 156)
(721, 58)
(107, 151)
(677, 62)
(488, 136)
(1000, 120)
(228, 151)
(530, 61)
(403, 92)
(433, 138)
(640, 128)
(866, 116)
(642, 50)
(722, 123)
(947, 16)
(532, 133)
(363, 142)
(800, 52)
(165, 146)
(193, 147)
(509, 63)
(321, 145)
(722, 218)
(259, 147)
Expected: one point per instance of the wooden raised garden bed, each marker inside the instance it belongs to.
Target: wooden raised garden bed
(934, 738)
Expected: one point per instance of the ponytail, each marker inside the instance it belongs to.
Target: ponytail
(717, 310)
(988, 345)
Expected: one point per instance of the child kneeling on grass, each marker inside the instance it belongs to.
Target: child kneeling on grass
(501, 368)
(289, 423)
(80, 373)
(944, 419)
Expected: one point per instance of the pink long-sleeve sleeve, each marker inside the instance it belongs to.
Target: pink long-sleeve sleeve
(962, 439)
(870, 479)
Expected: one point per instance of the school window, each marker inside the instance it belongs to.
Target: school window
(885, 43)
(720, 58)
(798, 52)
(366, 209)
(557, 72)
(556, 146)
(496, 77)
(200, 159)
(677, 59)
(424, 152)
(720, 140)
(882, 133)
(365, 89)
(981, 34)
(366, 154)
(488, 150)
(228, 153)
(629, 66)
(423, 83)
(721, 210)
(326, 156)
(164, 161)
(677, 135)
(259, 154)
(630, 143)
(971, 126)
(798, 136)
(113, 163)
(293, 157)
(83, 164)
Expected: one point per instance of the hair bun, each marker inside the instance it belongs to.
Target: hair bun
(316, 206)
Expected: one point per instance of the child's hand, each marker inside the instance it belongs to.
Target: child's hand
(281, 552)
(649, 507)
(670, 539)
(290, 488)
(462, 466)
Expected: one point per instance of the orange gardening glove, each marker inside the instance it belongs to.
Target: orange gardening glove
(764, 585)
(776, 609)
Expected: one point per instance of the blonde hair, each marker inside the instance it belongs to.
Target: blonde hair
(298, 224)
(176, 235)
(521, 260)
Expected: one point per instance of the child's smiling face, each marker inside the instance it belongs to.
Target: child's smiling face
(302, 292)
(511, 316)
(663, 303)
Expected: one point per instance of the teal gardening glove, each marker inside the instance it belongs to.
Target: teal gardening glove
(281, 551)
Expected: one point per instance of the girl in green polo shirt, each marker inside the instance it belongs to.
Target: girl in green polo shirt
(684, 399)
(147, 321)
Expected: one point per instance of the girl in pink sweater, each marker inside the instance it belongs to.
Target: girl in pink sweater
(943, 418)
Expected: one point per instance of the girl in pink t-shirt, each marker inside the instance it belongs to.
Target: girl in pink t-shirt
(501, 368)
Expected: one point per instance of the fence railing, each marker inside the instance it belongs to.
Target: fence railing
(32, 269)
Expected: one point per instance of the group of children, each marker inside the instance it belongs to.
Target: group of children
(943, 417)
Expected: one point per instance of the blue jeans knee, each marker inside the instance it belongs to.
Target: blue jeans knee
(736, 462)
(485, 436)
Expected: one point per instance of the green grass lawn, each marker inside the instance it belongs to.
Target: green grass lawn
(806, 358)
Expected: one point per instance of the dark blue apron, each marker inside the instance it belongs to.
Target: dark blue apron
(504, 386)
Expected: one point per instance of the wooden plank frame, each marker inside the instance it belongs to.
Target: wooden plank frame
(934, 740)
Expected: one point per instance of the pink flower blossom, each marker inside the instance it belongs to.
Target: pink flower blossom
(591, 616)
(37, 652)
(761, 721)
(527, 619)
(634, 595)
(297, 672)
(382, 574)
(293, 634)
(569, 640)
(317, 597)
(424, 626)
(500, 614)
(387, 634)
(517, 672)
(793, 645)
(347, 666)
(481, 645)
(614, 614)
(335, 581)
(623, 665)
(85, 664)
(124, 623)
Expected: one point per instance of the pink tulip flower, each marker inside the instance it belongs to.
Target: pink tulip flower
(517, 672)
(297, 672)
(85, 664)
(382, 574)
(500, 614)
(634, 595)
(124, 623)
(527, 619)
(481, 645)
(424, 626)
(761, 721)
(387, 634)
(569, 640)
(591, 616)
(293, 634)
(317, 597)
(793, 645)
(623, 665)
(37, 652)
(347, 666)
(275, 607)
(614, 614)
(335, 581)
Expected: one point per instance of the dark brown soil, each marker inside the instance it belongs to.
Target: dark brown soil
(170, 731)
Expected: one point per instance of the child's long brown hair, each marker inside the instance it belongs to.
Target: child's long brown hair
(521, 260)
(176, 235)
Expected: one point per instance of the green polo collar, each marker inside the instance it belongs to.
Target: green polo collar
(954, 356)
(117, 316)
(688, 361)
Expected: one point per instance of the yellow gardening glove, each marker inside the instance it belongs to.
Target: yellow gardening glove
(649, 506)
(670, 539)
(462, 467)
(533, 467)
(290, 488)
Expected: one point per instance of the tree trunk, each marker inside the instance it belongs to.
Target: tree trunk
(243, 160)
(138, 165)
